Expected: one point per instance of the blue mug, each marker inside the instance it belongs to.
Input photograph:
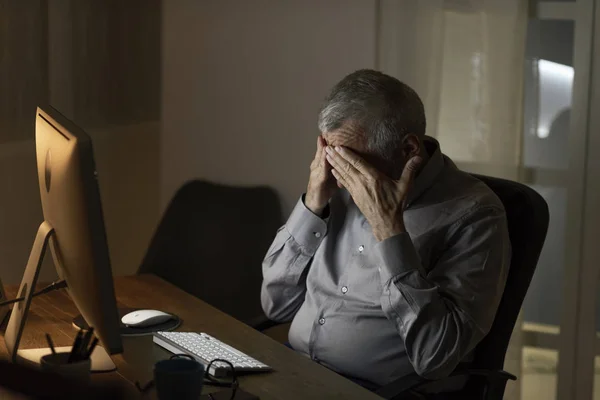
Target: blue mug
(180, 377)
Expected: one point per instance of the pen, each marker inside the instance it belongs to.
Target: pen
(91, 350)
(49, 339)
(75, 348)
(82, 351)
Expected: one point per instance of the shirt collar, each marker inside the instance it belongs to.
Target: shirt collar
(430, 171)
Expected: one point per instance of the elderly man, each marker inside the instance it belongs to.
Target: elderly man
(403, 268)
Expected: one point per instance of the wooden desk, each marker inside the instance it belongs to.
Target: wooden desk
(294, 376)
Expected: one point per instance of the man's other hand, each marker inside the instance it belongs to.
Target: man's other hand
(321, 184)
(379, 198)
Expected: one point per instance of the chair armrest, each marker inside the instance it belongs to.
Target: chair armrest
(401, 386)
(413, 381)
(262, 323)
(497, 374)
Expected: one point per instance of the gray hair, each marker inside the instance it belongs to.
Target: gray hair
(380, 106)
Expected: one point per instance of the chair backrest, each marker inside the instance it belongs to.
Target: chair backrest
(211, 242)
(528, 217)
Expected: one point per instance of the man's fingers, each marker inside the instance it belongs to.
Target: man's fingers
(320, 147)
(342, 166)
(319, 159)
(356, 161)
(341, 182)
(408, 174)
(320, 144)
(326, 164)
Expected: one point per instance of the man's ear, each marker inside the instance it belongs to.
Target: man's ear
(411, 146)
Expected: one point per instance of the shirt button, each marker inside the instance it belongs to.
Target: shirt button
(344, 289)
(361, 248)
(321, 321)
(317, 234)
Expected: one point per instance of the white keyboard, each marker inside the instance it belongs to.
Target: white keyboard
(205, 348)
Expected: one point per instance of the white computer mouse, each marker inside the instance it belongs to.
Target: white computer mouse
(145, 318)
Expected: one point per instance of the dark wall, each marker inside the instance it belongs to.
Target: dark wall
(96, 61)
(23, 66)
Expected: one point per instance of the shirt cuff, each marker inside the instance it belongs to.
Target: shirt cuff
(307, 229)
(397, 255)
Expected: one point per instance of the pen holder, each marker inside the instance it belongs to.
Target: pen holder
(57, 363)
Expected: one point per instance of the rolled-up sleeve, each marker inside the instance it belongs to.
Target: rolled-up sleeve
(443, 314)
(287, 262)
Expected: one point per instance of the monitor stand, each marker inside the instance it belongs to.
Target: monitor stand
(101, 361)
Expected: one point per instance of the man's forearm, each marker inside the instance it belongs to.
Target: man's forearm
(283, 287)
(314, 206)
(290, 254)
(437, 334)
(443, 314)
(321, 212)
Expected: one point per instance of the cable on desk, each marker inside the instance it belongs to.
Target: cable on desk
(53, 286)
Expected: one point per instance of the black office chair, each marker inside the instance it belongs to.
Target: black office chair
(527, 214)
(211, 242)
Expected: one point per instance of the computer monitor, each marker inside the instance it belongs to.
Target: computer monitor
(73, 228)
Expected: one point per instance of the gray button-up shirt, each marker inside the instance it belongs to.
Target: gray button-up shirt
(418, 301)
